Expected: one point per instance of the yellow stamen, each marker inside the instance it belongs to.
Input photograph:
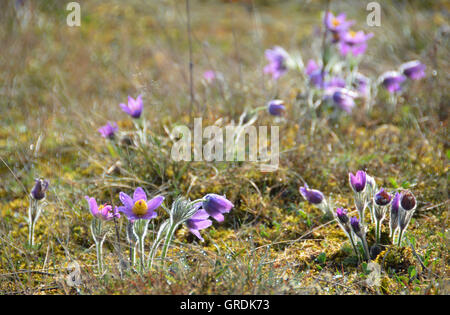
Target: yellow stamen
(140, 207)
(352, 34)
(335, 22)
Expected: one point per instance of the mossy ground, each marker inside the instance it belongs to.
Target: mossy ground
(59, 84)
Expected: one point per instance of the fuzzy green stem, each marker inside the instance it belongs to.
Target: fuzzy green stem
(378, 231)
(141, 254)
(400, 235)
(98, 246)
(354, 246)
(169, 236)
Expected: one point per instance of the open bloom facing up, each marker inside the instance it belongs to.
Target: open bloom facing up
(277, 58)
(414, 70)
(108, 130)
(198, 221)
(382, 198)
(138, 207)
(337, 24)
(134, 107)
(392, 81)
(216, 206)
(358, 181)
(39, 189)
(312, 195)
(276, 107)
(354, 43)
(103, 212)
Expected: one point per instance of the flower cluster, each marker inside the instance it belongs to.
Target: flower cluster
(393, 81)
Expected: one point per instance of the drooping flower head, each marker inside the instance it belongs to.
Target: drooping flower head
(354, 42)
(209, 76)
(39, 189)
(198, 221)
(277, 58)
(358, 181)
(414, 70)
(382, 197)
(312, 195)
(337, 24)
(134, 107)
(216, 206)
(276, 107)
(108, 130)
(342, 98)
(392, 81)
(341, 214)
(138, 207)
(103, 212)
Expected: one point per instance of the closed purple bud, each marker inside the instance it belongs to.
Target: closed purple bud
(392, 81)
(277, 58)
(395, 203)
(39, 189)
(358, 181)
(216, 206)
(276, 107)
(312, 195)
(407, 201)
(342, 215)
(354, 222)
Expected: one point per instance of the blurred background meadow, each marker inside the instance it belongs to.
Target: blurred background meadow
(59, 84)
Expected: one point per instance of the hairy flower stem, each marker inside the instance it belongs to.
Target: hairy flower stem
(169, 236)
(141, 254)
(378, 231)
(33, 214)
(366, 248)
(400, 235)
(99, 248)
(354, 246)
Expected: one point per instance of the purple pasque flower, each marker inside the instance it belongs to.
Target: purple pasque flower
(393, 222)
(382, 198)
(354, 42)
(276, 107)
(103, 212)
(407, 201)
(336, 82)
(216, 206)
(39, 189)
(315, 73)
(209, 76)
(138, 207)
(414, 70)
(134, 107)
(356, 227)
(312, 195)
(198, 221)
(341, 214)
(277, 58)
(108, 130)
(337, 24)
(392, 81)
(342, 98)
(357, 181)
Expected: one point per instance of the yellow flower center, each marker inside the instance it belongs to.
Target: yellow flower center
(140, 207)
(352, 34)
(100, 207)
(335, 22)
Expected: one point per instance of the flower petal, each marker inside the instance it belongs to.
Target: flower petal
(139, 194)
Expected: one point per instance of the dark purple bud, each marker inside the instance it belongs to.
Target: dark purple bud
(39, 189)
(414, 70)
(382, 198)
(342, 215)
(408, 201)
(216, 205)
(312, 195)
(276, 107)
(354, 222)
(395, 203)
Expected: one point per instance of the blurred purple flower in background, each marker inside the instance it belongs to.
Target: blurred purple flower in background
(138, 207)
(342, 98)
(198, 221)
(209, 76)
(392, 81)
(354, 43)
(134, 107)
(277, 58)
(312, 195)
(276, 107)
(337, 24)
(314, 72)
(108, 130)
(361, 83)
(414, 70)
(216, 206)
